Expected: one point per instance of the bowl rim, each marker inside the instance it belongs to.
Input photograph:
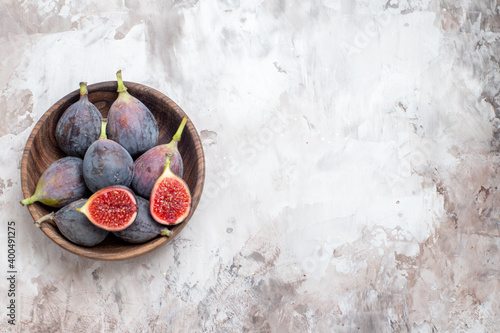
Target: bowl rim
(132, 250)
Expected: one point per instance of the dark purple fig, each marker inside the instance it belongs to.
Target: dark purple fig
(150, 165)
(60, 184)
(79, 126)
(74, 225)
(131, 123)
(107, 163)
(144, 227)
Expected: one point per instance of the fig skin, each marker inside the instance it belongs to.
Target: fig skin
(150, 165)
(131, 123)
(144, 228)
(107, 163)
(60, 184)
(79, 125)
(75, 226)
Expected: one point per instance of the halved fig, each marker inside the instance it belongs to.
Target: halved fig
(170, 201)
(112, 208)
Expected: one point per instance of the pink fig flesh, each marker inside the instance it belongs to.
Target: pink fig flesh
(170, 201)
(112, 208)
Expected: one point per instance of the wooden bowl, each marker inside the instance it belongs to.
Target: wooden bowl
(42, 149)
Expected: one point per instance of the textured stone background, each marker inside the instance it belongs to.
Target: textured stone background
(352, 154)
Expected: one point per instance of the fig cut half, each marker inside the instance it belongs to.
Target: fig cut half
(112, 208)
(170, 201)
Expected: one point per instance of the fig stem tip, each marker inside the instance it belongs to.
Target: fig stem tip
(121, 86)
(83, 88)
(49, 216)
(26, 201)
(166, 232)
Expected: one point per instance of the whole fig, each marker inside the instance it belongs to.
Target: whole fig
(79, 126)
(131, 123)
(74, 225)
(107, 163)
(60, 184)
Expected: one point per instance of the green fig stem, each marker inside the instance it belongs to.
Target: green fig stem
(167, 170)
(83, 88)
(166, 232)
(28, 201)
(104, 123)
(177, 135)
(49, 216)
(167, 162)
(121, 86)
(80, 209)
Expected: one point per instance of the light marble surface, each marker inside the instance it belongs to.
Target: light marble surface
(352, 152)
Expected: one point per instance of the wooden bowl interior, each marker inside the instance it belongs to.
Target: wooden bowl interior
(42, 150)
